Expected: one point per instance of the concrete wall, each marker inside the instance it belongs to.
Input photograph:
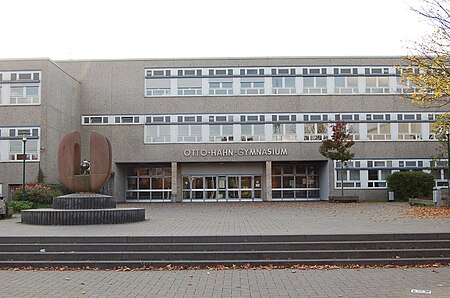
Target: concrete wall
(117, 87)
(58, 113)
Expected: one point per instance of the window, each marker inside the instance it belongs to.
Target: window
(221, 132)
(377, 178)
(343, 83)
(220, 72)
(189, 133)
(284, 132)
(24, 94)
(315, 131)
(157, 133)
(123, 119)
(14, 144)
(221, 88)
(351, 178)
(314, 85)
(191, 72)
(283, 85)
(353, 128)
(251, 71)
(314, 81)
(252, 87)
(189, 86)
(378, 131)
(377, 85)
(295, 182)
(158, 73)
(149, 183)
(252, 132)
(409, 131)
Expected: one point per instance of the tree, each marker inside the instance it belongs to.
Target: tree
(337, 148)
(428, 71)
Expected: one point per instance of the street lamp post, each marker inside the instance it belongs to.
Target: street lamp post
(24, 140)
(448, 167)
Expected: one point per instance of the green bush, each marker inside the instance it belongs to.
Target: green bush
(413, 184)
(20, 205)
(24, 205)
(39, 193)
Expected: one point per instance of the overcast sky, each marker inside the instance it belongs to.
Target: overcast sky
(97, 29)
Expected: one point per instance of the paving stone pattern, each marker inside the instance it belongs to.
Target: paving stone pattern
(272, 218)
(232, 283)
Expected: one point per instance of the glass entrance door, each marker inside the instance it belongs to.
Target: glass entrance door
(226, 188)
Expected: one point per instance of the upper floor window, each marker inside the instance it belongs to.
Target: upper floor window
(189, 86)
(315, 82)
(251, 71)
(24, 94)
(189, 133)
(283, 85)
(20, 88)
(189, 72)
(220, 72)
(221, 88)
(158, 73)
(11, 144)
(157, 133)
(252, 87)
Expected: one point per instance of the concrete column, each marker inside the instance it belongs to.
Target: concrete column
(175, 196)
(268, 185)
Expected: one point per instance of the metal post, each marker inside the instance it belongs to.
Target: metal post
(448, 168)
(24, 140)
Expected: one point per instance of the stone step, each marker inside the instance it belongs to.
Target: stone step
(210, 263)
(224, 239)
(226, 255)
(113, 251)
(245, 246)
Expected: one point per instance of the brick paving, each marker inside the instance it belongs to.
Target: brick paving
(251, 219)
(230, 283)
(238, 219)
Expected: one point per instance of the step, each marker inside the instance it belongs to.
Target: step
(249, 246)
(223, 238)
(203, 263)
(227, 255)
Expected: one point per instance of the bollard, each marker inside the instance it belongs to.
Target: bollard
(437, 198)
(391, 196)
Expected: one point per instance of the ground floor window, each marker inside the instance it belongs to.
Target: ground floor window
(149, 183)
(295, 182)
(222, 188)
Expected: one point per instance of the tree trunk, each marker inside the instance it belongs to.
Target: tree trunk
(342, 183)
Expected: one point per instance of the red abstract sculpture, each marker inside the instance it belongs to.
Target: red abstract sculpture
(69, 161)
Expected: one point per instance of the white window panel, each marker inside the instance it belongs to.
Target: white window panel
(283, 85)
(252, 87)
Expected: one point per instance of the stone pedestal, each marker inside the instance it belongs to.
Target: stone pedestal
(83, 209)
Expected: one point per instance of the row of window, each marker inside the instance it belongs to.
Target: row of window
(11, 143)
(274, 71)
(262, 118)
(20, 88)
(278, 81)
(372, 174)
(284, 132)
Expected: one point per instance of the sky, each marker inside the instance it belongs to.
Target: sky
(98, 29)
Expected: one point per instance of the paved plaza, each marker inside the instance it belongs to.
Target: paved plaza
(273, 218)
(239, 219)
(230, 283)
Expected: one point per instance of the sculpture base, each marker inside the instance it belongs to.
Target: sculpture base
(83, 209)
(84, 201)
(82, 216)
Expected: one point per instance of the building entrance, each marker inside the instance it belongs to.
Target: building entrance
(222, 188)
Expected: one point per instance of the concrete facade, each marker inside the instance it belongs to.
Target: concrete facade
(73, 91)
